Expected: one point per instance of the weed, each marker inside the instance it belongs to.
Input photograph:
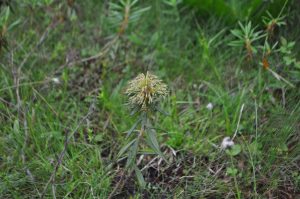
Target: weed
(145, 91)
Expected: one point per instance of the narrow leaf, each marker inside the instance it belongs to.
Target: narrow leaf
(124, 149)
(133, 127)
(162, 111)
(140, 177)
(152, 141)
(132, 154)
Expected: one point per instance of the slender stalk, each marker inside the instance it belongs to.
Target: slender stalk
(256, 133)
(238, 124)
(235, 181)
(127, 173)
(213, 65)
(143, 125)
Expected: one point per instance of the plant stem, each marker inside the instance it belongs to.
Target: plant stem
(143, 124)
(235, 181)
(125, 176)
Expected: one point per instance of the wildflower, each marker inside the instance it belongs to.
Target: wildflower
(145, 90)
(209, 106)
(226, 143)
(55, 80)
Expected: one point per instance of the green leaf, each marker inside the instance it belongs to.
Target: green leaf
(133, 127)
(132, 153)
(234, 150)
(152, 142)
(140, 177)
(134, 111)
(15, 23)
(16, 127)
(237, 33)
(6, 14)
(123, 149)
(297, 64)
(162, 111)
(283, 41)
(98, 138)
(135, 39)
(255, 148)
(231, 171)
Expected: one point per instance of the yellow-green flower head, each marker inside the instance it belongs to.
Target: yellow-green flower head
(145, 90)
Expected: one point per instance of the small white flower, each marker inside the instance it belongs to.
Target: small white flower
(55, 80)
(209, 106)
(227, 142)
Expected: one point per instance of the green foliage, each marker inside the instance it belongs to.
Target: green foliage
(39, 2)
(68, 96)
(286, 50)
(257, 47)
(176, 139)
(124, 13)
(246, 36)
(235, 10)
(231, 171)
(5, 26)
(144, 92)
(234, 150)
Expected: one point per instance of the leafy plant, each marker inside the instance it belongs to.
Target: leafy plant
(173, 4)
(246, 36)
(5, 26)
(286, 49)
(123, 13)
(40, 2)
(271, 22)
(145, 93)
(232, 171)
(234, 10)
(256, 43)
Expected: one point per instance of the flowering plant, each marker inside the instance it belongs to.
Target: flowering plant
(144, 92)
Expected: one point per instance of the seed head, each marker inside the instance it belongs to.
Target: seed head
(210, 106)
(145, 90)
(227, 143)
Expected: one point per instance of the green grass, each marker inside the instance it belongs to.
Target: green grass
(87, 107)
